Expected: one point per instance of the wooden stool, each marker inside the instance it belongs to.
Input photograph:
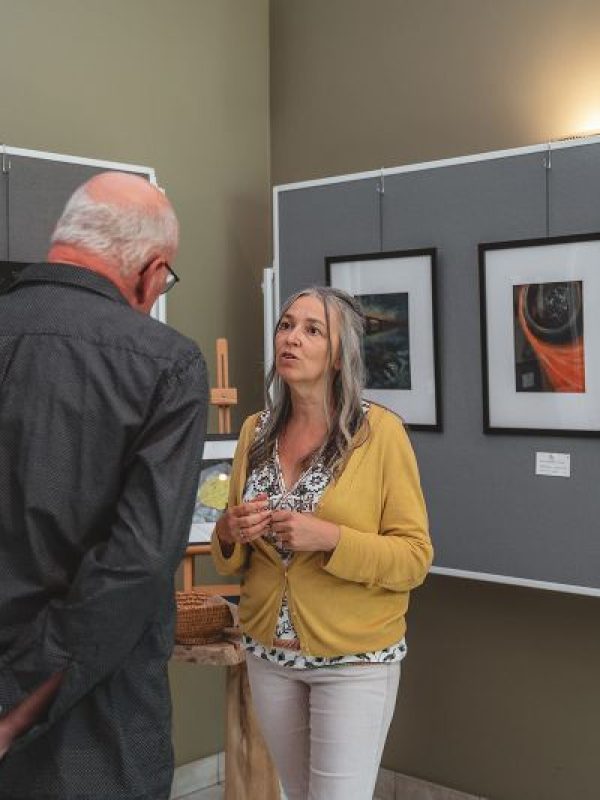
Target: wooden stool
(249, 771)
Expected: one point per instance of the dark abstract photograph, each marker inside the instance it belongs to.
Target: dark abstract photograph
(548, 337)
(387, 342)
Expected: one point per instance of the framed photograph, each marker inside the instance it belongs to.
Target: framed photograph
(213, 485)
(540, 337)
(397, 291)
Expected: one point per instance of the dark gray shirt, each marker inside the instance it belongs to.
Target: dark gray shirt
(102, 420)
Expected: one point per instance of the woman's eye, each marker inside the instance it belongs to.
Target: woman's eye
(313, 330)
(283, 326)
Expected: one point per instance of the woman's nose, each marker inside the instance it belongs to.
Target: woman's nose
(292, 336)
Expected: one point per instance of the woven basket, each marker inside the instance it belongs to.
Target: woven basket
(200, 618)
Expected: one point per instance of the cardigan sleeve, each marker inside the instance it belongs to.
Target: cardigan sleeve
(236, 562)
(399, 557)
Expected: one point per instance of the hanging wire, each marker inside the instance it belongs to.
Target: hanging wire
(6, 172)
(548, 165)
(381, 192)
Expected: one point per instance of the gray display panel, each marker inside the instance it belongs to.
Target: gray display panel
(575, 190)
(491, 516)
(38, 191)
(4, 254)
(324, 221)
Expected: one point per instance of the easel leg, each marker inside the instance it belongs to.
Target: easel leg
(188, 573)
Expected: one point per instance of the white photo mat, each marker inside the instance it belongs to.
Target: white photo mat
(401, 273)
(218, 448)
(561, 259)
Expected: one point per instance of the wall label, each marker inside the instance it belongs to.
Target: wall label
(555, 465)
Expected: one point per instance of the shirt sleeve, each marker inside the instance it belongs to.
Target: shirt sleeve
(399, 557)
(122, 581)
(235, 563)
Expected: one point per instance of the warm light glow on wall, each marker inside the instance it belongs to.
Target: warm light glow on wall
(585, 125)
(589, 124)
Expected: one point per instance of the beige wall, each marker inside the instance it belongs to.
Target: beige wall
(499, 694)
(181, 86)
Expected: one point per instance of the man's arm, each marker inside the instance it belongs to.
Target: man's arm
(122, 581)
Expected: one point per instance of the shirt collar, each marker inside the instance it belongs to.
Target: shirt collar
(68, 275)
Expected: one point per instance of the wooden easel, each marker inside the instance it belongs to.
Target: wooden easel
(223, 396)
(249, 771)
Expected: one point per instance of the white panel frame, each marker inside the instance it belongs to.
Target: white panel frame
(509, 580)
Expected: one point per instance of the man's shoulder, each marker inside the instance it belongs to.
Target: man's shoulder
(147, 336)
(75, 304)
(111, 326)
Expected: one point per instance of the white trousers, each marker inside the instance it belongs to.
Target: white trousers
(325, 728)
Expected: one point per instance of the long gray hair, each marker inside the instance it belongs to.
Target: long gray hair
(343, 397)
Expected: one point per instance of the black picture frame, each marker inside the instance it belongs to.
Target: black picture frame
(540, 344)
(404, 283)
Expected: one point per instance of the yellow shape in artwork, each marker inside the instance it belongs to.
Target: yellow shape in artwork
(214, 491)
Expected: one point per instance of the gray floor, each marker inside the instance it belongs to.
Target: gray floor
(214, 793)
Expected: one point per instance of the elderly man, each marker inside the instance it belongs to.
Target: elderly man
(102, 419)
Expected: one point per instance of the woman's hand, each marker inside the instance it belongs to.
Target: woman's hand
(303, 531)
(244, 523)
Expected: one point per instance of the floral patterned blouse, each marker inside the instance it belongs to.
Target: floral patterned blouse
(302, 496)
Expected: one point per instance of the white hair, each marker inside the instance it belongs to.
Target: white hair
(127, 235)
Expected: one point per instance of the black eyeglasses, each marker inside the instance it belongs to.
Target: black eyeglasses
(172, 279)
(172, 276)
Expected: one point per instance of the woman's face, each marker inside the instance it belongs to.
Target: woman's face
(301, 342)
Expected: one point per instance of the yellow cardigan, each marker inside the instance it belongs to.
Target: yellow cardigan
(354, 599)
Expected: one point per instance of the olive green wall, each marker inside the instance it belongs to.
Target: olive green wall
(181, 86)
(364, 84)
(499, 695)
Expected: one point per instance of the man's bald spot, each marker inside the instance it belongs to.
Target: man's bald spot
(123, 189)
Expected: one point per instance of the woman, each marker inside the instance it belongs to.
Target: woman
(327, 525)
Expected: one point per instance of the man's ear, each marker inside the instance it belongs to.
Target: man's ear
(149, 284)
